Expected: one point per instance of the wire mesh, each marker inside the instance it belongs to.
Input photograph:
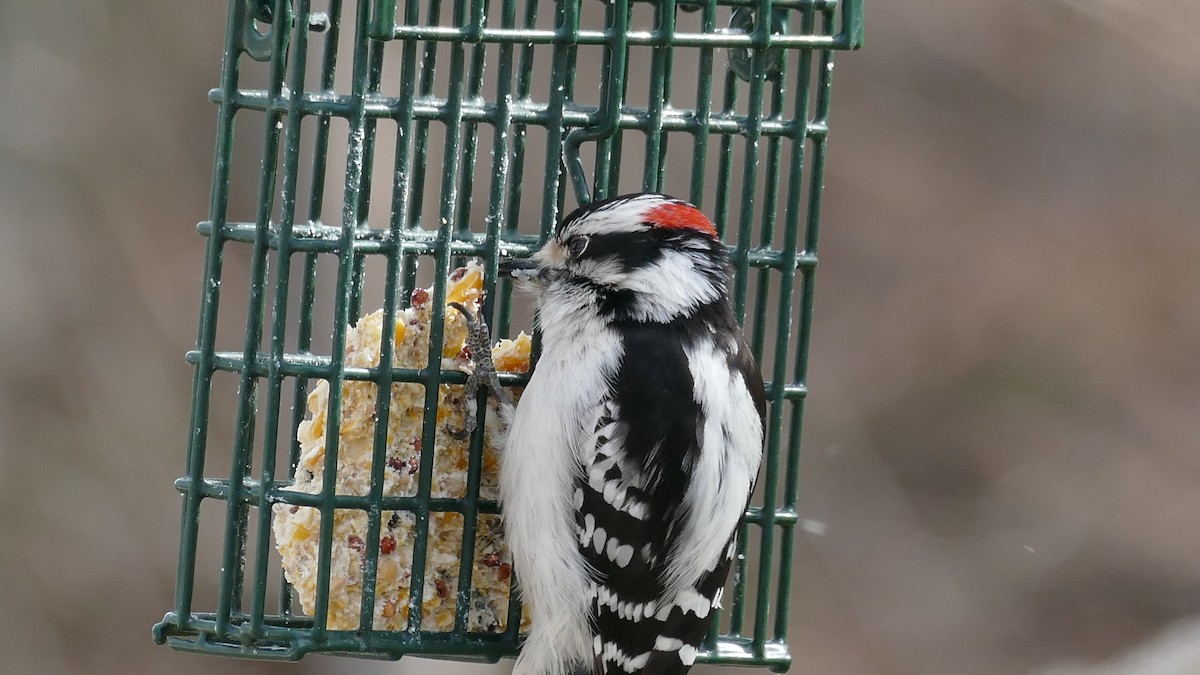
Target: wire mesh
(724, 102)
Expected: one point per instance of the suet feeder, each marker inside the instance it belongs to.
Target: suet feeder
(447, 132)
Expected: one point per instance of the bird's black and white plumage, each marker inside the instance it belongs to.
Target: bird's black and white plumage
(632, 455)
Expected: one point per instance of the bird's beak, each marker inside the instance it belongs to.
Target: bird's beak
(521, 268)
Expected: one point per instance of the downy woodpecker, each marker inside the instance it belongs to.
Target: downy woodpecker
(634, 449)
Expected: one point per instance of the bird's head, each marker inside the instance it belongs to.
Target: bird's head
(640, 257)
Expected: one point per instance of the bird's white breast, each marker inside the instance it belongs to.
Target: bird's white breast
(541, 461)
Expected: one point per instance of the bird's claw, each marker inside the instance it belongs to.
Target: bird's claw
(479, 341)
(473, 322)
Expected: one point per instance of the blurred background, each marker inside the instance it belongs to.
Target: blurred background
(1000, 473)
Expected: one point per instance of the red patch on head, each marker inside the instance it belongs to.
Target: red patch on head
(680, 216)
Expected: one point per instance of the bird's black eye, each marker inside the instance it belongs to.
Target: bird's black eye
(577, 245)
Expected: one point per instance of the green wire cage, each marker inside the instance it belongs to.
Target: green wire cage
(446, 131)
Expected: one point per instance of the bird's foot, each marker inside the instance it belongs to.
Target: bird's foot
(479, 342)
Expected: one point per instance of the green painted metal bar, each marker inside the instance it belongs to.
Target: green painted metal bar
(762, 27)
(341, 319)
(737, 611)
(566, 28)
(233, 558)
(524, 88)
(500, 176)
(725, 159)
(383, 19)
(766, 234)
(512, 214)
(363, 209)
(421, 242)
(278, 493)
(383, 397)
(804, 334)
(291, 160)
(766, 224)
(448, 216)
(401, 274)
(292, 641)
(322, 367)
(668, 59)
(432, 109)
(703, 110)
(852, 30)
(613, 91)
(403, 194)
(474, 86)
(466, 181)
(792, 220)
(420, 135)
(652, 167)
(636, 38)
(601, 162)
(308, 284)
(383, 22)
(205, 341)
(436, 335)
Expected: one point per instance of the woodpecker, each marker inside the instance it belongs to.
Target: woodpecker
(632, 454)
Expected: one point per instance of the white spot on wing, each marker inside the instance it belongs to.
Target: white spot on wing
(611, 652)
(589, 525)
(624, 555)
(664, 611)
(687, 654)
(610, 491)
(667, 644)
(691, 601)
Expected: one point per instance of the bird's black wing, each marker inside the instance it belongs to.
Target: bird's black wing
(629, 506)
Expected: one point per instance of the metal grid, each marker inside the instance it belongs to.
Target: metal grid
(753, 136)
